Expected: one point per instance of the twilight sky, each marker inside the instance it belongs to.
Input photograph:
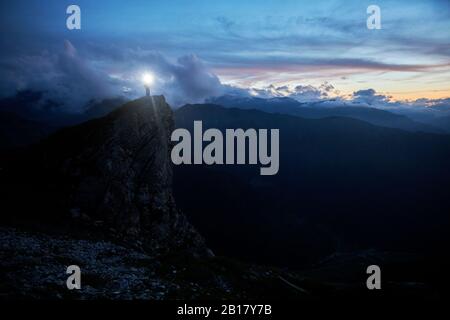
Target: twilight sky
(200, 48)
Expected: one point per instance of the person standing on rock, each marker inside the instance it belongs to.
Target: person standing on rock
(147, 79)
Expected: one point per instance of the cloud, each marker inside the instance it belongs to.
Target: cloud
(370, 98)
(440, 105)
(301, 93)
(423, 106)
(307, 93)
(75, 81)
(186, 80)
(64, 77)
(192, 81)
(72, 78)
(255, 45)
(326, 96)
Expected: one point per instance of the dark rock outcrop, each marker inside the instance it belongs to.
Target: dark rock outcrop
(113, 172)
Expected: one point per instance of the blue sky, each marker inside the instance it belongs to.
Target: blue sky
(237, 43)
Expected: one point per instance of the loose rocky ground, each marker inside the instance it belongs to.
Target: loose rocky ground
(33, 266)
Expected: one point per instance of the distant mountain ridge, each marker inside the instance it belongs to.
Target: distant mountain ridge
(343, 184)
(35, 106)
(28, 117)
(315, 110)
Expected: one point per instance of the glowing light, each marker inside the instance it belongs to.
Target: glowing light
(148, 78)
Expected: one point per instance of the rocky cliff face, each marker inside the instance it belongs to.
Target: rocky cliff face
(114, 172)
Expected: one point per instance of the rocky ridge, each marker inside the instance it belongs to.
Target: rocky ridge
(113, 174)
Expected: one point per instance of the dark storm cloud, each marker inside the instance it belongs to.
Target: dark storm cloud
(73, 78)
(63, 76)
